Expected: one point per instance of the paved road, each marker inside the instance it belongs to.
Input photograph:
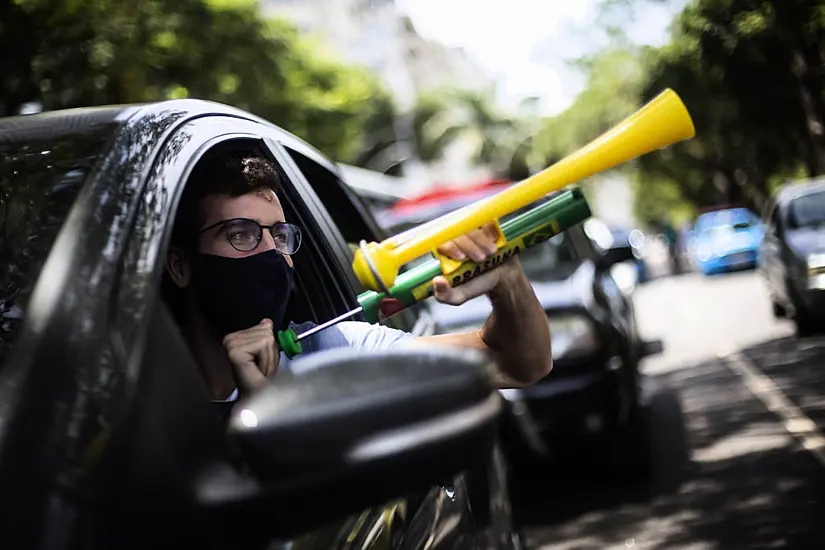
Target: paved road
(732, 396)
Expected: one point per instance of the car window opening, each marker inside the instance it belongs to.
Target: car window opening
(299, 307)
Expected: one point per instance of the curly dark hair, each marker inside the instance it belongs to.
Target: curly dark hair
(232, 174)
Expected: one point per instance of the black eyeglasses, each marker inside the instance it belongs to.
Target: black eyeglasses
(245, 235)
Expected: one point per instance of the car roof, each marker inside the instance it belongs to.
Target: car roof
(724, 215)
(21, 129)
(55, 124)
(800, 188)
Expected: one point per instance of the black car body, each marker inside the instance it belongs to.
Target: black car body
(610, 236)
(107, 436)
(591, 405)
(792, 254)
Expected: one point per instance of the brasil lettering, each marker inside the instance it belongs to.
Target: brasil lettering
(528, 240)
(468, 270)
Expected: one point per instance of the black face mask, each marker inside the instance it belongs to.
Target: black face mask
(237, 293)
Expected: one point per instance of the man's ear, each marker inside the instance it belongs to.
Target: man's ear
(178, 266)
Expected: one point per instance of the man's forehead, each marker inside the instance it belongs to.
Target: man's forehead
(260, 203)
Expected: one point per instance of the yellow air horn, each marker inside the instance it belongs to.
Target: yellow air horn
(662, 122)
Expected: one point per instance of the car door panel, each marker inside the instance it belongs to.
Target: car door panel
(770, 253)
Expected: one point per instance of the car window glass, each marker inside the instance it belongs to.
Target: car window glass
(550, 261)
(345, 207)
(807, 210)
(355, 221)
(39, 182)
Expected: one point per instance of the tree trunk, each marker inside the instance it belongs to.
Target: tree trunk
(814, 110)
(723, 183)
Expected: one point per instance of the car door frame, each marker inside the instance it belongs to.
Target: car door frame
(774, 255)
(418, 320)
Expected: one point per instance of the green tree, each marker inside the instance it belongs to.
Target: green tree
(732, 62)
(92, 52)
(497, 139)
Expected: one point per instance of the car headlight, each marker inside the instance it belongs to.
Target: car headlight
(572, 334)
(816, 271)
(722, 246)
(704, 251)
(816, 261)
(626, 275)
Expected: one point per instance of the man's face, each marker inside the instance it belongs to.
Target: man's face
(261, 206)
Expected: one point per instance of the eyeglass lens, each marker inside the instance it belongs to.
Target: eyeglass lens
(245, 235)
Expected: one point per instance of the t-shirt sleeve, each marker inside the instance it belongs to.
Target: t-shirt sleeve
(364, 336)
(368, 336)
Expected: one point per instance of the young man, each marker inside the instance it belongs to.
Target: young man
(229, 276)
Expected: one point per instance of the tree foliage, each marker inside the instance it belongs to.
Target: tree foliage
(752, 75)
(71, 53)
(737, 66)
(497, 139)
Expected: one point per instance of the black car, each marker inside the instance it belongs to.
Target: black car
(792, 254)
(630, 274)
(107, 435)
(591, 405)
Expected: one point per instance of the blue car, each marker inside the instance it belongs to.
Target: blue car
(726, 240)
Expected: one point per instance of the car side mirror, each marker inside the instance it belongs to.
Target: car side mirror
(616, 255)
(351, 430)
(651, 347)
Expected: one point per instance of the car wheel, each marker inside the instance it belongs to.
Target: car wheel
(805, 325)
(631, 449)
(804, 321)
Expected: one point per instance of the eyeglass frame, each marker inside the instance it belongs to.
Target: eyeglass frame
(223, 223)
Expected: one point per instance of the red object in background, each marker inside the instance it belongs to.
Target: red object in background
(436, 202)
(443, 194)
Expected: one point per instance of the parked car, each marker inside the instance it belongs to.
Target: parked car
(628, 275)
(591, 406)
(793, 254)
(107, 435)
(726, 240)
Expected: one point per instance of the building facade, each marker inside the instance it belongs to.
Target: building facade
(375, 34)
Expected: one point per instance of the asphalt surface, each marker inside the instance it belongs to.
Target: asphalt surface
(738, 405)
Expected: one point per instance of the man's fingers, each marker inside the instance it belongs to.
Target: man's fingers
(272, 354)
(246, 368)
(470, 248)
(457, 295)
(451, 250)
(254, 354)
(483, 241)
(248, 335)
(476, 245)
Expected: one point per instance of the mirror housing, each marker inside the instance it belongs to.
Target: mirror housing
(651, 347)
(351, 430)
(615, 255)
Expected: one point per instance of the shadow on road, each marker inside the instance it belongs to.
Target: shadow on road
(726, 476)
(797, 366)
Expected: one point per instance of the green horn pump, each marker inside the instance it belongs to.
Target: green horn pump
(568, 208)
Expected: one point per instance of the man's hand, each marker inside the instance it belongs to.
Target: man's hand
(478, 245)
(516, 334)
(253, 354)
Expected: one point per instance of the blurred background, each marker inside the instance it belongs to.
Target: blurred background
(427, 105)
(456, 92)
